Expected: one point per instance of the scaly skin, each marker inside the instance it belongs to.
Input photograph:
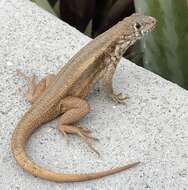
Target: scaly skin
(98, 59)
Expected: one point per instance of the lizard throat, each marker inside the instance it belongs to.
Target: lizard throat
(116, 52)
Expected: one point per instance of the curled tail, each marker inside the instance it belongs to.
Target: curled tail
(59, 177)
(18, 143)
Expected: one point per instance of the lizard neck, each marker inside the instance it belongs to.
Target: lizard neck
(116, 50)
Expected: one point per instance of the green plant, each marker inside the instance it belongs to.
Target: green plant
(166, 49)
(100, 15)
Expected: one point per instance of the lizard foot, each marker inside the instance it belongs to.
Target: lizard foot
(35, 89)
(118, 98)
(31, 83)
(84, 133)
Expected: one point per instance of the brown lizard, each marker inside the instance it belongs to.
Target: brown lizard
(64, 93)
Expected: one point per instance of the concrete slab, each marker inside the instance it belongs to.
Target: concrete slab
(152, 127)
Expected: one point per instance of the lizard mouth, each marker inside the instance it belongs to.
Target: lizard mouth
(148, 31)
(150, 27)
(145, 33)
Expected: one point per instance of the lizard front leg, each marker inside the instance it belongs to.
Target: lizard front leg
(74, 109)
(35, 90)
(107, 83)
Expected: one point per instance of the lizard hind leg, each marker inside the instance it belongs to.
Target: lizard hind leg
(35, 89)
(74, 109)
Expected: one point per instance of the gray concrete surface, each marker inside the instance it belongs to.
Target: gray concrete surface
(152, 128)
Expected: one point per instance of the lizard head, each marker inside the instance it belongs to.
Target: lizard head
(136, 26)
(139, 24)
(128, 31)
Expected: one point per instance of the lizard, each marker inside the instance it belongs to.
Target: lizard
(64, 94)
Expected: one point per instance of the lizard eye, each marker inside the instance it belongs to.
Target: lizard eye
(137, 26)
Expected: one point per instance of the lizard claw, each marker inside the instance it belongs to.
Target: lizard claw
(118, 98)
(30, 80)
(31, 83)
(84, 133)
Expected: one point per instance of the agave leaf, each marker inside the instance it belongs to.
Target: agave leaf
(78, 13)
(56, 8)
(165, 50)
(45, 5)
(108, 13)
(52, 2)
